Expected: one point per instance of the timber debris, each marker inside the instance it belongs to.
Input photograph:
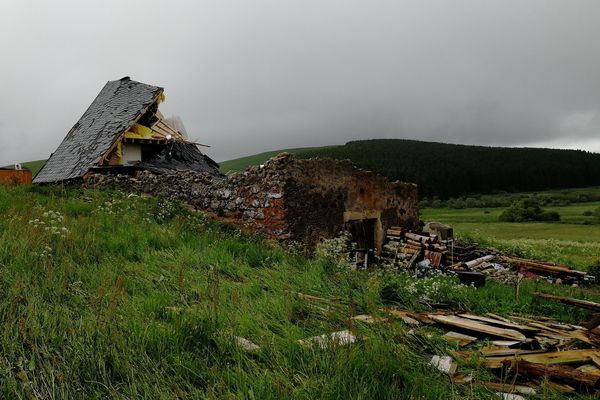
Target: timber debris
(523, 352)
(427, 253)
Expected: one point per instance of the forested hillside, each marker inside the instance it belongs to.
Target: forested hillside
(447, 170)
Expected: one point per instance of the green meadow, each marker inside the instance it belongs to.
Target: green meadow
(110, 295)
(574, 240)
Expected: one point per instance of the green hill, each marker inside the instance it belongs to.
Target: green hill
(240, 164)
(109, 295)
(450, 170)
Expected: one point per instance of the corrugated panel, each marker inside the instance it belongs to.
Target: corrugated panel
(109, 115)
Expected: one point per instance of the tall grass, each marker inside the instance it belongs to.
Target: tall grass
(140, 298)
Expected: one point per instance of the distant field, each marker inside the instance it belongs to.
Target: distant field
(240, 164)
(568, 241)
(34, 166)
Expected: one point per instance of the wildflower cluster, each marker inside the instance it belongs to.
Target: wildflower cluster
(166, 210)
(45, 253)
(336, 248)
(110, 207)
(51, 222)
(407, 288)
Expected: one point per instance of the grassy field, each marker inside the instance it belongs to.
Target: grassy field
(109, 295)
(240, 164)
(569, 241)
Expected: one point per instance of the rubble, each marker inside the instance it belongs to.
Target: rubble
(427, 254)
(289, 199)
(564, 356)
(341, 338)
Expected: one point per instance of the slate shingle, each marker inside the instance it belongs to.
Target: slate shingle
(112, 112)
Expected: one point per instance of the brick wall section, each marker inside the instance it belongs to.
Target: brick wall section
(287, 199)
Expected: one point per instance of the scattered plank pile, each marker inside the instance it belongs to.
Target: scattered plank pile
(523, 352)
(402, 246)
(405, 250)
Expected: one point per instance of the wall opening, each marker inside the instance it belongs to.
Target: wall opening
(363, 234)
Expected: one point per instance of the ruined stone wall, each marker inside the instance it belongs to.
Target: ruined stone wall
(322, 195)
(287, 199)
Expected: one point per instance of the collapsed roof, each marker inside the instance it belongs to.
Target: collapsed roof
(123, 128)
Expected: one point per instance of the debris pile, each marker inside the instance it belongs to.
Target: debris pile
(523, 352)
(428, 254)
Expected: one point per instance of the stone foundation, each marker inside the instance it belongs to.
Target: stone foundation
(290, 199)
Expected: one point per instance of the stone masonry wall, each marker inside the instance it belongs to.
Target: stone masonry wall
(286, 199)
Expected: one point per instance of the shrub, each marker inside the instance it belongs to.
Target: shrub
(594, 270)
(527, 209)
(437, 203)
(588, 213)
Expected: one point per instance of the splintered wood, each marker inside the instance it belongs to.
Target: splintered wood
(424, 250)
(524, 351)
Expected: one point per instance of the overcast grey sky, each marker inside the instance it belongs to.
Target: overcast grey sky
(254, 75)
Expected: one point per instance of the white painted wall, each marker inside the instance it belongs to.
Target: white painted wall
(131, 153)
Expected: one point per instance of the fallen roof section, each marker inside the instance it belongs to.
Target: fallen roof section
(116, 108)
(123, 130)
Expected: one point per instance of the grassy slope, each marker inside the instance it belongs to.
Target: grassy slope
(138, 298)
(569, 241)
(240, 164)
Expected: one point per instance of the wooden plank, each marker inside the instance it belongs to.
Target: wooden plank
(559, 387)
(407, 317)
(508, 388)
(495, 316)
(503, 324)
(590, 305)
(505, 343)
(478, 327)
(590, 369)
(543, 267)
(459, 338)
(503, 351)
(550, 358)
(477, 261)
(563, 373)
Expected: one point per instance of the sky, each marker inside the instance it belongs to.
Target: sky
(248, 76)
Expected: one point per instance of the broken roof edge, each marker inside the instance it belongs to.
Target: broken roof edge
(137, 117)
(77, 171)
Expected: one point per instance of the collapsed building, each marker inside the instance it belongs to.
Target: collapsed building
(124, 131)
(291, 200)
(123, 139)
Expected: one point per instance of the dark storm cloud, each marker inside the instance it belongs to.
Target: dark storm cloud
(248, 76)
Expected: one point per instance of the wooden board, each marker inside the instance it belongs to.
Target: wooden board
(590, 305)
(478, 327)
(508, 388)
(459, 338)
(496, 322)
(550, 358)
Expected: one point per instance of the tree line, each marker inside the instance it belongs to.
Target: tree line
(451, 170)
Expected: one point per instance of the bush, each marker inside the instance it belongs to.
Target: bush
(437, 203)
(588, 213)
(594, 270)
(526, 210)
